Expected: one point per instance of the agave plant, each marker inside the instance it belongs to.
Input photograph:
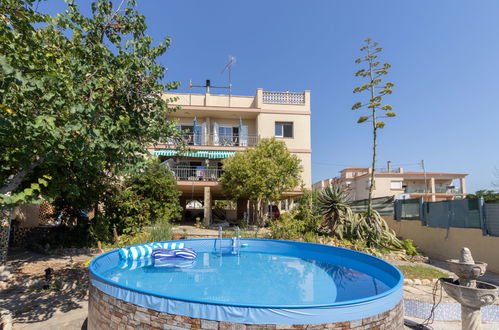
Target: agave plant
(378, 234)
(368, 227)
(332, 205)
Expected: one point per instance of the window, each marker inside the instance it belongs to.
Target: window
(396, 185)
(284, 130)
(228, 135)
(227, 131)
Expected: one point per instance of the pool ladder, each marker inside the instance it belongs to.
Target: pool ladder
(235, 240)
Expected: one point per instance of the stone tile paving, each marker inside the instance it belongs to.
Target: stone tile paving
(450, 325)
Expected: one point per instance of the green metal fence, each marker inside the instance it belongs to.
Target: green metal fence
(463, 213)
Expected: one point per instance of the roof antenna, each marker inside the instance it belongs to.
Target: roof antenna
(228, 67)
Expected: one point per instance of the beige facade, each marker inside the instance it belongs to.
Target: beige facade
(431, 186)
(217, 126)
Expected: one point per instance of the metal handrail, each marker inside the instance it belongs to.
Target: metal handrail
(214, 140)
(197, 173)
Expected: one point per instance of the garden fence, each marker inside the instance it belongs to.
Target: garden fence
(491, 222)
(384, 205)
(462, 213)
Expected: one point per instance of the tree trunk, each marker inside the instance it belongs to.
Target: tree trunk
(19, 177)
(252, 212)
(4, 235)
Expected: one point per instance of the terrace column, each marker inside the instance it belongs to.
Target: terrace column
(432, 189)
(462, 183)
(207, 206)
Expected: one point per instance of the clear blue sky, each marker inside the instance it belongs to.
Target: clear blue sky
(445, 66)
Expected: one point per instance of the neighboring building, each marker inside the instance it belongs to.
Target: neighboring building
(395, 182)
(220, 125)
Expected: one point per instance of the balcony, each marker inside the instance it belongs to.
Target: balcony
(197, 173)
(438, 190)
(283, 98)
(213, 140)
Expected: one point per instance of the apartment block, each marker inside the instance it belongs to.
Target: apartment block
(217, 126)
(431, 186)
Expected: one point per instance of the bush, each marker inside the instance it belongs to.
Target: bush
(302, 222)
(145, 199)
(160, 231)
(409, 248)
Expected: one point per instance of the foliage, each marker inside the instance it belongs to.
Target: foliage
(365, 231)
(377, 233)
(332, 205)
(376, 91)
(261, 173)
(80, 100)
(409, 247)
(302, 222)
(159, 231)
(286, 227)
(147, 198)
(489, 196)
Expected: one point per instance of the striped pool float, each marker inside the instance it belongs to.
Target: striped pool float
(174, 263)
(145, 250)
(165, 254)
(134, 264)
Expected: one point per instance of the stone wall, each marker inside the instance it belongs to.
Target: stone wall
(106, 312)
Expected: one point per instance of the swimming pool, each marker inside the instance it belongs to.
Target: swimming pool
(268, 282)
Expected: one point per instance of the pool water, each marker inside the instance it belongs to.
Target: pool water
(251, 278)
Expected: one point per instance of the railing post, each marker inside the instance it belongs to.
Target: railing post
(421, 211)
(482, 216)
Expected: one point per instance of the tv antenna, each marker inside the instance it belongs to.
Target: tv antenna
(208, 86)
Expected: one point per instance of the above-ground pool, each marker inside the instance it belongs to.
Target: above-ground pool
(253, 281)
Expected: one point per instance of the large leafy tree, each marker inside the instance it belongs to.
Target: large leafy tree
(261, 174)
(81, 99)
(376, 90)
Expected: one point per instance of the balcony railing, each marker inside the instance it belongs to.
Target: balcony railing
(197, 173)
(283, 98)
(438, 190)
(214, 140)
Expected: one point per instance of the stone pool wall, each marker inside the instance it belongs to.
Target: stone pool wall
(106, 312)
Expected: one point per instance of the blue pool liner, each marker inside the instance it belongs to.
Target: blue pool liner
(265, 314)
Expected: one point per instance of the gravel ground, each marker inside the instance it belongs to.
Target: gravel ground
(61, 305)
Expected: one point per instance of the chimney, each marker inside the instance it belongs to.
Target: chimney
(208, 85)
(389, 166)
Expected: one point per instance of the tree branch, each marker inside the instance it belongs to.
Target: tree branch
(16, 181)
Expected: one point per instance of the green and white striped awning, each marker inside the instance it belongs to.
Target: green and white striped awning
(211, 154)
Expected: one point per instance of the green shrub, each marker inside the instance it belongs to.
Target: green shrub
(160, 231)
(143, 200)
(409, 248)
(287, 227)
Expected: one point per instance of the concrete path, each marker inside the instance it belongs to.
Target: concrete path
(72, 320)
